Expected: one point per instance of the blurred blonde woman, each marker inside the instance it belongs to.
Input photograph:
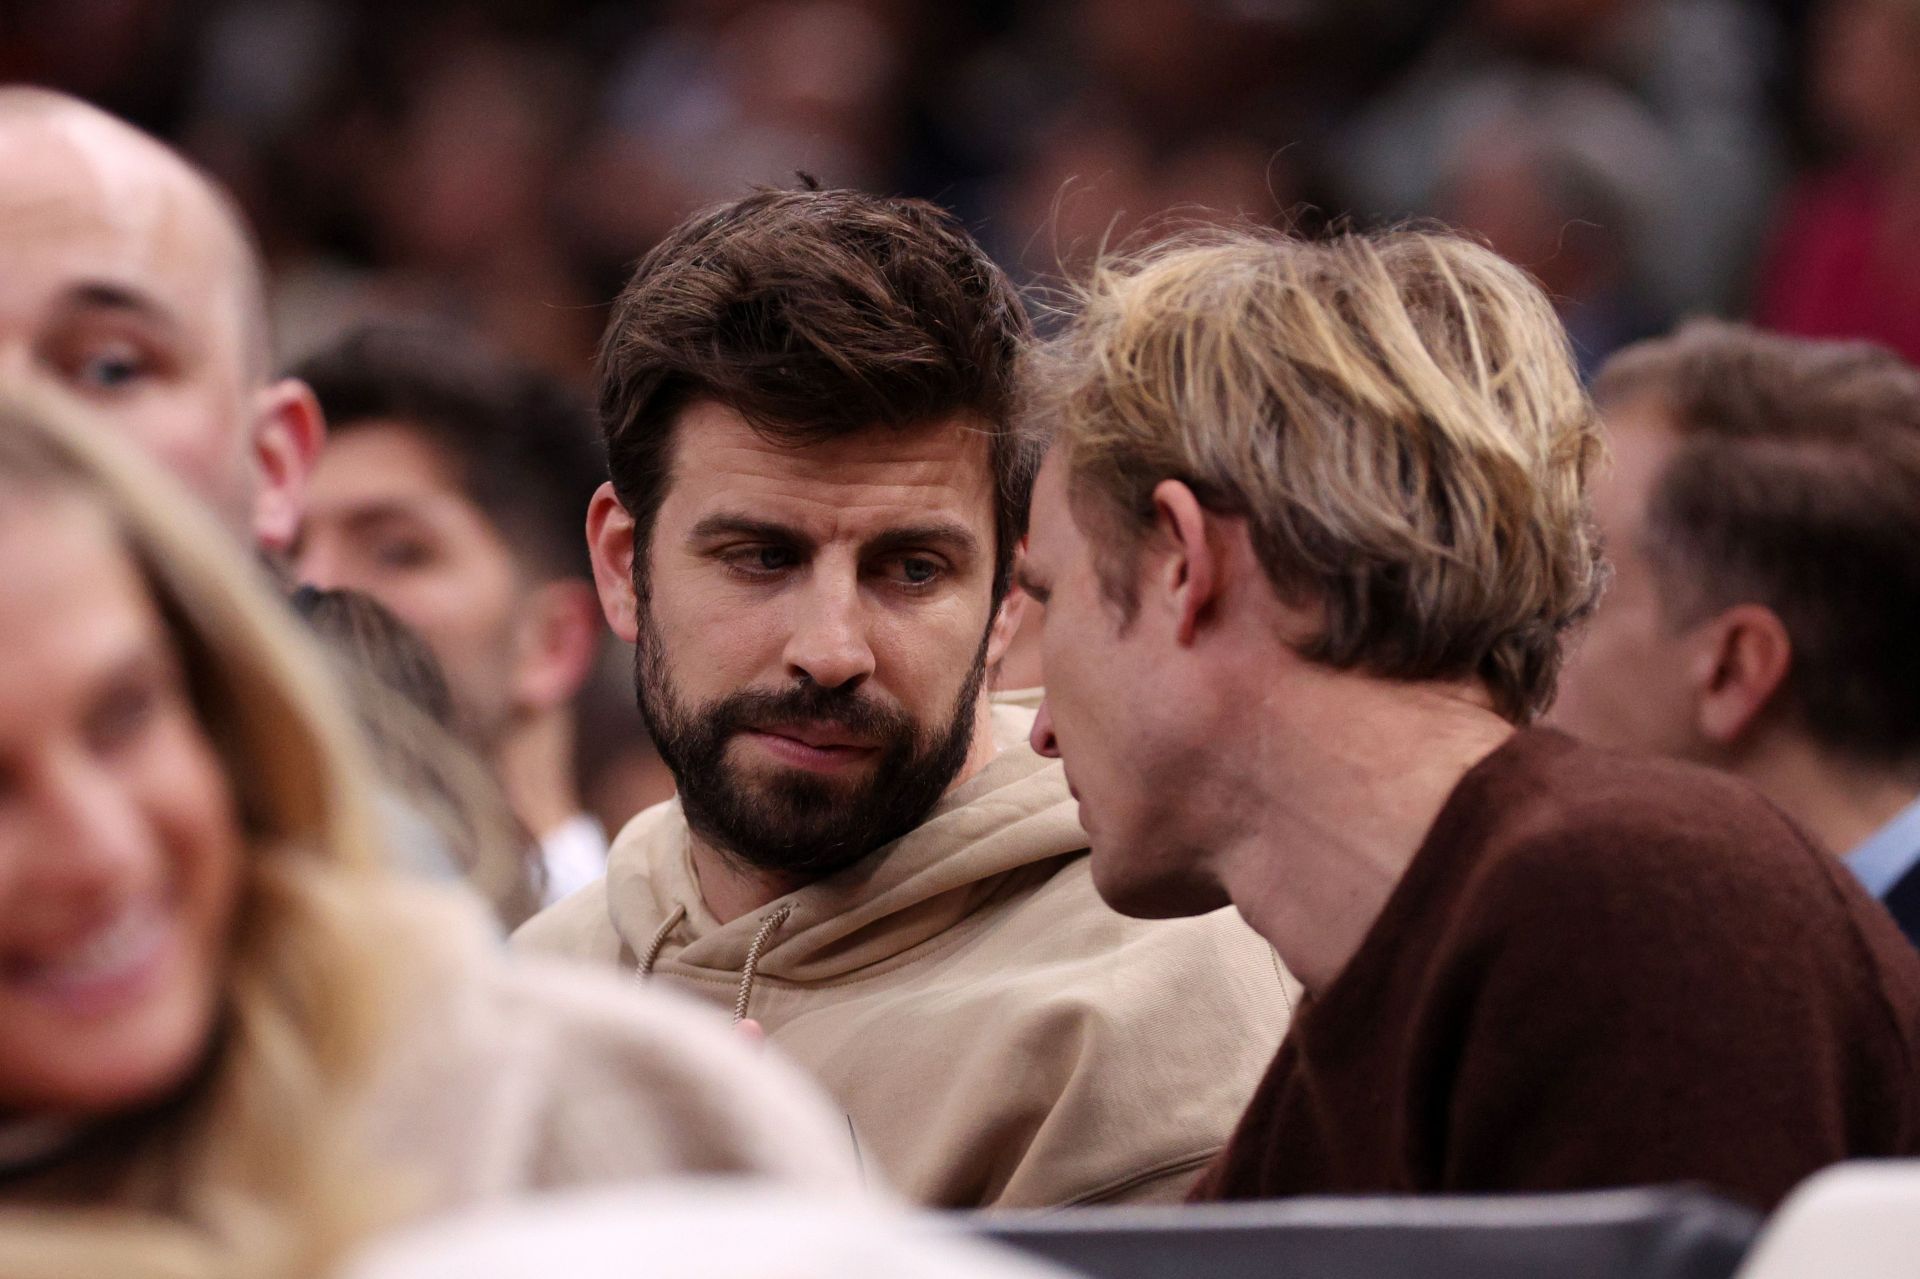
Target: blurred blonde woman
(230, 1042)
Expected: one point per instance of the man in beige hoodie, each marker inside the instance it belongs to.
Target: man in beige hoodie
(809, 535)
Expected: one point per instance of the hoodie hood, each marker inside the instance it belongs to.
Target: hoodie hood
(995, 1033)
(1014, 819)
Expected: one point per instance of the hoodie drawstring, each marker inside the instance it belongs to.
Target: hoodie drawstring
(660, 939)
(752, 965)
(747, 972)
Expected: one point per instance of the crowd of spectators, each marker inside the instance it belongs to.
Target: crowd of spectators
(504, 162)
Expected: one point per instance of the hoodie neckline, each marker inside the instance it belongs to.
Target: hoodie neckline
(1014, 814)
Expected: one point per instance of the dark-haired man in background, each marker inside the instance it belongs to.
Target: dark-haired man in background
(453, 491)
(817, 494)
(1763, 517)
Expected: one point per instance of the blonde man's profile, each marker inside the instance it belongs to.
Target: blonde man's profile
(1311, 536)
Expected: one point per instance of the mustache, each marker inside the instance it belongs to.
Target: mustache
(847, 709)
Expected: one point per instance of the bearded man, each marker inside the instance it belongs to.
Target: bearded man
(817, 494)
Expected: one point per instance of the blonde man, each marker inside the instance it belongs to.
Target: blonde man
(1312, 531)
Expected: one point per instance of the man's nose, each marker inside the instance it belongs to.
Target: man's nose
(1042, 738)
(830, 645)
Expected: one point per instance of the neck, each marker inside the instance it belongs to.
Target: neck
(534, 762)
(731, 888)
(1839, 803)
(1367, 765)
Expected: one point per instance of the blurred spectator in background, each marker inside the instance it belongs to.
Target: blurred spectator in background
(500, 164)
(454, 490)
(370, 639)
(1565, 175)
(1842, 262)
(443, 807)
(1685, 138)
(722, 96)
(1762, 513)
(128, 281)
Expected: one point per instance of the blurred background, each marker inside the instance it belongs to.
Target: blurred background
(502, 162)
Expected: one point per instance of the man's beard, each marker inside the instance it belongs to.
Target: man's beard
(795, 823)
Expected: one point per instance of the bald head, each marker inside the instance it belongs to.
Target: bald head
(128, 280)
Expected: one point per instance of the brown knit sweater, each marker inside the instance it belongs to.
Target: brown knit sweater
(1597, 971)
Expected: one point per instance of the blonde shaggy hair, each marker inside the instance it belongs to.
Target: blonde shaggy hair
(1396, 416)
(254, 1168)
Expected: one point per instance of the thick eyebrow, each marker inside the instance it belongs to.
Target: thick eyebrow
(1025, 582)
(725, 525)
(940, 535)
(953, 538)
(382, 511)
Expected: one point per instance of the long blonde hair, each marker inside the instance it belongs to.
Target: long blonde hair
(255, 1169)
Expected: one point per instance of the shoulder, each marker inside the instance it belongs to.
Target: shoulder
(531, 1073)
(578, 926)
(1568, 811)
(1618, 870)
(1202, 1000)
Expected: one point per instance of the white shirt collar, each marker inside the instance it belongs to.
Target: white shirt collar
(575, 855)
(1883, 858)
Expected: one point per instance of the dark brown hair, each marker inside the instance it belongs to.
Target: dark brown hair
(1796, 485)
(815, 314)
(520, 442)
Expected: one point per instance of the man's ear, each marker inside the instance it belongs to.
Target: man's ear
(1738, 668)
(1184, 561)
(610, 534)
(288, 432)
(557, 634)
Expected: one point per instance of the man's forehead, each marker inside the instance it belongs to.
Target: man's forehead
(391, 459)
(1050, 525)
(89, 200)
(1641, 440)
(719, 459)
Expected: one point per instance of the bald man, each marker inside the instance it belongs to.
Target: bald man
(128, 280)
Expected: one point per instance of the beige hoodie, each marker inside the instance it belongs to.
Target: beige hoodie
(994, 1032)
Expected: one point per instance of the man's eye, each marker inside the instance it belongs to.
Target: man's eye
(915, 570)
(112, 370)
(401, 553)
(762, 561)
(122, 715)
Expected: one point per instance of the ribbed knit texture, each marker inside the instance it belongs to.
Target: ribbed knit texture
(1597, 971)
